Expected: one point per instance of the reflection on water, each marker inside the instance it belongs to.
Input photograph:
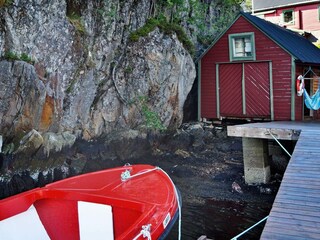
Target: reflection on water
(221, 220)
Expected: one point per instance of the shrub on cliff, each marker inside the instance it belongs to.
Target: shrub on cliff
(167, 28)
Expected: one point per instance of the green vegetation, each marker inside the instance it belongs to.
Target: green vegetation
(167, 28)
(152, 119)
(71, 86)
(209, 28)
(196, 15)
(5, 3)
(26, 58)
(112, 12)
(11, 56)
(76, 21)
(248, 4)
(182, 36)
(145, 30)
(128, 69)
(74, 80)
(109, 12)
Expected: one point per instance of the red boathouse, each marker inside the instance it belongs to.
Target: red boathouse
(250, 72)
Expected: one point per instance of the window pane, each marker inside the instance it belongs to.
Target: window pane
(288, 16)
(247, 47)
(239, 47)
(242, 47)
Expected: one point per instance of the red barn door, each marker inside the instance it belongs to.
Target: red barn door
(244, 90)
(230, 90)
(257, 89)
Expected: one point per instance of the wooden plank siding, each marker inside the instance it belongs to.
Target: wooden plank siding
(295, 213)
(266, 51)
(305, 17)
(208, 88)
(230, 91)
(208, 77)
(257, 89)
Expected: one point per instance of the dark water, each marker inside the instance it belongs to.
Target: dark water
(221, 220)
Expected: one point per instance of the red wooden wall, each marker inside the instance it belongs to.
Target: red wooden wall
(266, 50)
(306, 17)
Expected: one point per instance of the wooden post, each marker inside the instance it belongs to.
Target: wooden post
(255, 158)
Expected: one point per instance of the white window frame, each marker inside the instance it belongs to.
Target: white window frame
(248, 45)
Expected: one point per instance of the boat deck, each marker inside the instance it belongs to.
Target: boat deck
(295, 213)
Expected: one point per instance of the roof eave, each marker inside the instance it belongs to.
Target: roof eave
(274, 40)
(262, 30)
(298, 61)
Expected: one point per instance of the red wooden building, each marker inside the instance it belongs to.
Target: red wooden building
(250, 72)
(299, 15)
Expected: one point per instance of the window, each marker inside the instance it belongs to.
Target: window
(241, 47)
(288, 16)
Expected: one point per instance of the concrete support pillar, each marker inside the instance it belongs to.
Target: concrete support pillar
(255, 157)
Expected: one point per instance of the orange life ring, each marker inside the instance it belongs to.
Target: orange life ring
(300, 85)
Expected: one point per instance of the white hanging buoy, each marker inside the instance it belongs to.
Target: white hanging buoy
(300, 85)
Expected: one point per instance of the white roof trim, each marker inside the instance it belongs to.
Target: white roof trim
(285, 5)
(265, 12)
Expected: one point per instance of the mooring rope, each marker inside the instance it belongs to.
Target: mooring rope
(145, 232)
(279, 143)
(247, 230)
(126, 174)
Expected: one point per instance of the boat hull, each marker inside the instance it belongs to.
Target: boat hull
(144, 199)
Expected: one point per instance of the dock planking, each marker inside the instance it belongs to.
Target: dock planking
(295, 213)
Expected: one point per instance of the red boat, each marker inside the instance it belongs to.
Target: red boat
(130, 202)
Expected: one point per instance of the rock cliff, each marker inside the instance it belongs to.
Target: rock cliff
(69, 69)
(84, 75)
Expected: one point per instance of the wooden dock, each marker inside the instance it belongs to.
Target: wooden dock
(295, 213)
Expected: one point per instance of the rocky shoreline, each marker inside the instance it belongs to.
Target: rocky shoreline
(202, 160)
(189, 146)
